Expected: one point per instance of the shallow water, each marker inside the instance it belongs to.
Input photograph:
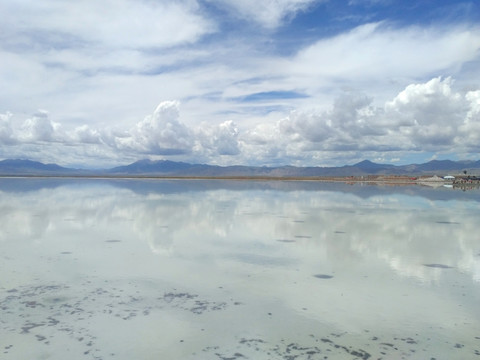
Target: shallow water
(104, 269)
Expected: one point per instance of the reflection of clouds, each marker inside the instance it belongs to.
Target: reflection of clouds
(261, 248)
(401, 235)
(404, 232)
(476, 269)
(20, 224)
(470, 262)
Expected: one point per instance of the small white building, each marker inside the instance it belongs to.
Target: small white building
(449, 178)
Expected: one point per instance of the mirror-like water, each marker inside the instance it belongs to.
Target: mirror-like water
(103, 269)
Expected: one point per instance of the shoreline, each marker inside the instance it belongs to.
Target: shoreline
(368, 179)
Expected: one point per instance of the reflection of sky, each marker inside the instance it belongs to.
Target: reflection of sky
(402, 231)
(259, 240)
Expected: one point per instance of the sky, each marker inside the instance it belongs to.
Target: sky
(266, 83)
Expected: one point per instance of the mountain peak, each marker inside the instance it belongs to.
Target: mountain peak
(367, 164)
(364, 162)
(145, 166)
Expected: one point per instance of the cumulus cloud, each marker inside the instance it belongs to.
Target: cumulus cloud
(160, 133)
(469, 131)
(429, 116)
(341, 128)
(433, 116)
(40, 128)
(85, 135)
(212, 141)
(268, 13)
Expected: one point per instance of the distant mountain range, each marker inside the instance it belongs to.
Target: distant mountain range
(173, 169)
(28, 167)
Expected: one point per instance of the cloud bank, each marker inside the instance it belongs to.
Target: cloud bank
(433, 116)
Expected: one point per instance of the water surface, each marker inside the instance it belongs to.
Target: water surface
(104, 269)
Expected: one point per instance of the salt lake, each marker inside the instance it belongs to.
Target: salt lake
(215, 269)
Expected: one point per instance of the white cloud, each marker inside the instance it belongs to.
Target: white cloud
(96, 37)
(52, 24)
(160, 133)
(431, 116)
(85, 135)
(268, 13)
(40, 128)
(96, 68)
(107, 68)
(429, 113)
(214, 141)
(373, 58)
(83, 58)
(377, 51)
(469, 131)
(6, 131)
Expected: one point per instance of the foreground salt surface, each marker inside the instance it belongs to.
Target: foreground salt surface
(237, 270)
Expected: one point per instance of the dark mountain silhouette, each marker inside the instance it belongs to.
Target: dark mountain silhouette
(26, 167)
(365, 167)
(182, 169)
(369, 166)
(151, 167)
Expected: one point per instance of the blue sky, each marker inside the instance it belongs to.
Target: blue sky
(274, 82)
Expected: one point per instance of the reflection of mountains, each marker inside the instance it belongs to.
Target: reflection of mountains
(162, 186)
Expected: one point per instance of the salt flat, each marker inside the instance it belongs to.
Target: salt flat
(149, 269)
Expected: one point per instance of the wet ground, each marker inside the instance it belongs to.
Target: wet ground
(97, 271)
(85, 321)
